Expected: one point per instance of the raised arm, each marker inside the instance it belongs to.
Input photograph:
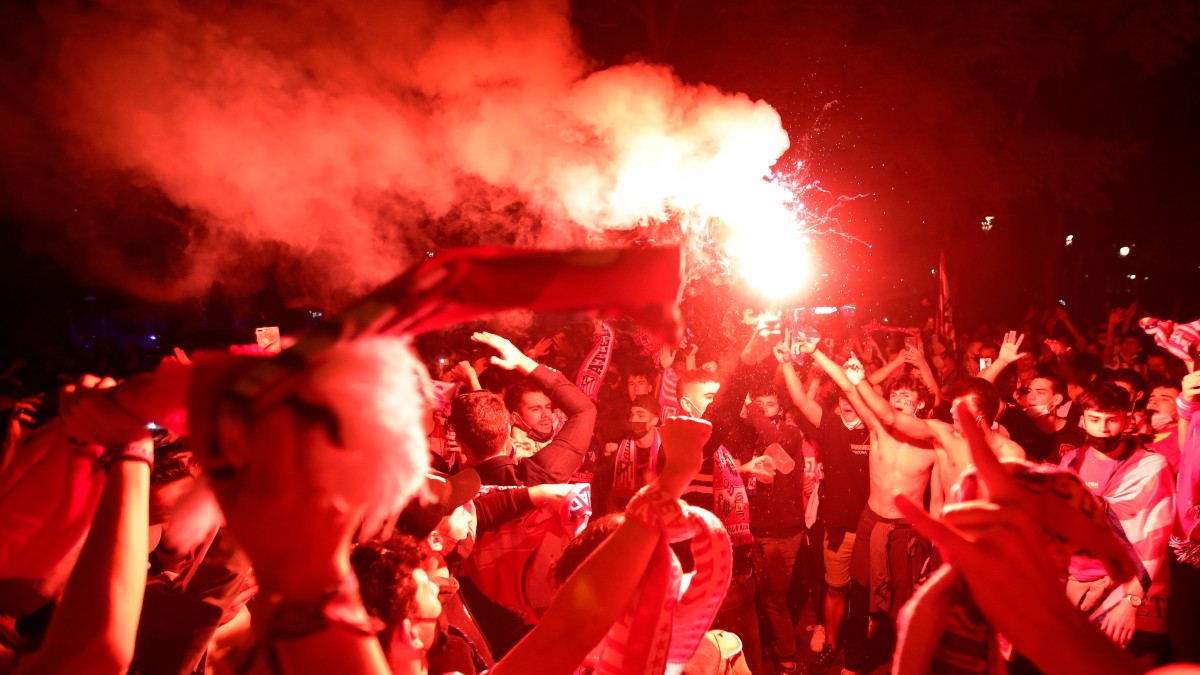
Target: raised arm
(586, 607)
(1116, 316)
(725, 410)
(556, 462)
(559, 460)
(1008, 356)
(907, 425)
(886, 371)
(810, 409)
(95, 625)
(917, 358)
(847, 379)
(1080, 340)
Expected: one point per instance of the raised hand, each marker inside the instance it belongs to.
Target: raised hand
(683, 440)
(90, 414)
(463, 372)
(782, 352)
(854, 370)
(1191, 387)
(1116, 316)
(1056, 347)
(666, 357)
(766, 333)
(508, 356)
(24, 409)
(1010, 346)
(807, 344)
(911, 356)
(540, 349)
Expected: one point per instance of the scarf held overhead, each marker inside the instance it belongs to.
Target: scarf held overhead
(595, 366)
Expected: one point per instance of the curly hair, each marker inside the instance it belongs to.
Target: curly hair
(385, 580)
(913, 383)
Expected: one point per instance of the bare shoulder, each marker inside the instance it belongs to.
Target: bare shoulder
(1009, 449)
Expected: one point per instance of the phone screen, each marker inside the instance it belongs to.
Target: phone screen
(268, 339)
(984, 363)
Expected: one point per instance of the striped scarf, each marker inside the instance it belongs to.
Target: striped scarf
(668, 395)
(663, 624)
(595, 366)
(626, 480)
(730, 501)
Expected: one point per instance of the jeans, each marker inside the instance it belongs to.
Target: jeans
(774, 560)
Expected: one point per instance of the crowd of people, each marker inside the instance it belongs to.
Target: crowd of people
(842, 500)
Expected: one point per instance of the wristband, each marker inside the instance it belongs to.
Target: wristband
(339, 606)
(137, 451)
(1185, 405)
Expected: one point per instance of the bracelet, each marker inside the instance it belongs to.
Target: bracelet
(652, 507)
(137, 451)
(338, 606)
(1185, 405)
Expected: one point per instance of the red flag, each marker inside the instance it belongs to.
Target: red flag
(945, 316)
(466, 284)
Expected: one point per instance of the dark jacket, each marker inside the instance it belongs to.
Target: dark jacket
(559, 460)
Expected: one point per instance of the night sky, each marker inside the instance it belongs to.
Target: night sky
(910, 122)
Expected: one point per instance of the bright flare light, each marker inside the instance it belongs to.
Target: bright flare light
(767, 243)
(774, 264)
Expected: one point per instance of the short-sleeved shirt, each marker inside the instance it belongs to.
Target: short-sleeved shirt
(845, 457)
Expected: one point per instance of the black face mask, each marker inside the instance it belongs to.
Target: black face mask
(639, 428)
(534, 435)
(1104, 444)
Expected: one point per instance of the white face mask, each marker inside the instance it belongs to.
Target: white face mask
(857, 423)
(1036, 411)
(1160, 421)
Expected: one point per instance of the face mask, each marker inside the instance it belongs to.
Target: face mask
(1104, 444)
(689, 408)
(533, 434)
(1161, 420)
(857, 423)
(462, 549)
(640, 428)
(1036, 411)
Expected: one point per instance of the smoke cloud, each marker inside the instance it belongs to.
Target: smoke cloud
(332, 144)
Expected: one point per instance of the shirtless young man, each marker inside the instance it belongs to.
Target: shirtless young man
(887, 555)
(954, 456)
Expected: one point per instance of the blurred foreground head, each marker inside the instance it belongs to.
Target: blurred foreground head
(344, 429)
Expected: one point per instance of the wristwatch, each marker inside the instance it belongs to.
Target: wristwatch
(1135, 600)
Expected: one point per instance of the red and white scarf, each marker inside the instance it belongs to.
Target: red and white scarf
(662, 625)
(626, 480)
(730, 501)
(595, 366)
(668, 394)
(1180, 339)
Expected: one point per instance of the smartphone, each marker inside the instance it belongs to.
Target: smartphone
(268, 339)
(984, 363)
(911, 341)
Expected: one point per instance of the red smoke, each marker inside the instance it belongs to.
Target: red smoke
(341, 140)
